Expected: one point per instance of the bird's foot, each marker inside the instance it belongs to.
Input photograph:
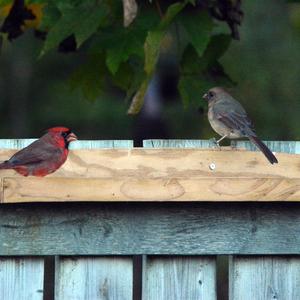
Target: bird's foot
(215, 143)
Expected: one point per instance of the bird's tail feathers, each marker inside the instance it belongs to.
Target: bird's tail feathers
(265, 150)
(5, 165)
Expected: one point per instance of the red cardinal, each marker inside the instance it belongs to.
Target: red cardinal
(43, 156)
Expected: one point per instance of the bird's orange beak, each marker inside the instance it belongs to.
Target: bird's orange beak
(71, 137)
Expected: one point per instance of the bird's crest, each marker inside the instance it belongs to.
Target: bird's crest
(58, 129)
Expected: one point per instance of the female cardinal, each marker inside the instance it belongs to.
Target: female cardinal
(229, 119)
(43, 156)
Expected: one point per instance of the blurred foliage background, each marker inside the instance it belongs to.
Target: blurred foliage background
(264, 64)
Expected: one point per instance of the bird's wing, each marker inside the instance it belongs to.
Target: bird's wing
(236, 121)
(35, 153)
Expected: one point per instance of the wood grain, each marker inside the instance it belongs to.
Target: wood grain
(166, 163)
(160, 175)
(21, 278)
(199, 189)
(263, 278)
(177, 278)
(144, 228)
(163, 174)
(101, 278)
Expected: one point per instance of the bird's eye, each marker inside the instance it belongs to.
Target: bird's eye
(211, 94)
(64, 134)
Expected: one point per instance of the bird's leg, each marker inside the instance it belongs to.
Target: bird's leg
(214, 142)
(219, 140)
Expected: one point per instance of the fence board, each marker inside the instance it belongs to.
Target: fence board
(21, 278)
(144, 228)
(262, 278)
(80, 144)
(276, 146)
(157, 143)
(105, 278)
(177, 278)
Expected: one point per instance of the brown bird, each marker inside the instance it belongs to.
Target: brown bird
(44, 156)
(229, 119)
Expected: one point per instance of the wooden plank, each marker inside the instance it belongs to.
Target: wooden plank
(21, 278)
(80, 144)
(15, 143)
(170, 163)
(100, 278)
(160, 174)
(98, 189)
(1, 189)
(157, 143)
(144, 228)
(276, 146)
(177, 278)
(263, 278)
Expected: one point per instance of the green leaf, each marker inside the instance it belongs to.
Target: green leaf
(191, 89)
(51, 15)
(36, 1)
(123, 77)
(191, 63)
(124, 43)
(171, 13)
(151, 48)
(154, 37)
(90, 78)
(121, 44)
(198, 74)
(198, 29)
(217, 76)
(90, 25)
(5, 2)
(138, 99)
(216, 48)
(75, 21)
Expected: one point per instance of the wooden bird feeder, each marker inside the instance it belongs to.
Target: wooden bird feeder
(177, 204)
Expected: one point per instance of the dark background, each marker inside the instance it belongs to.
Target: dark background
(35, 93)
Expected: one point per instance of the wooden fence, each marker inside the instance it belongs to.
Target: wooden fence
(123, 223)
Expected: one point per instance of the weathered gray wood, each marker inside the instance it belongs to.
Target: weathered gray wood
(178, 144)
(178, 278)
(144, 228)
(101, 278)
(263, 278)
(97, 144)
(80, 144)
(275, 146)
(15, 143)
(21, 278)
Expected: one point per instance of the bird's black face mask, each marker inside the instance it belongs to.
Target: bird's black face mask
(208, 96)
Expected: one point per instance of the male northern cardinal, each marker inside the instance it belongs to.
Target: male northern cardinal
(229, 119)
(43, 156)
